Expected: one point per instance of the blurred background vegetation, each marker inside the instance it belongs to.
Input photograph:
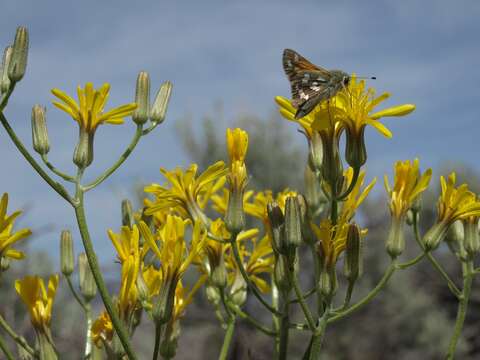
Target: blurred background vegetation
(411, 319)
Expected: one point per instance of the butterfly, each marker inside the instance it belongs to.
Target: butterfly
(311, 84)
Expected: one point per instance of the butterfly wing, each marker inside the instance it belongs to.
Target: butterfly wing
(309, 82)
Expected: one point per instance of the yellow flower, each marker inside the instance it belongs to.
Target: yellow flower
(258, 261)
(332, 240)
(456, 203)
(88, 112)
(352, 108)
(102, 329)
(355, 198)
(408, 184)
(187, 194)
(7, 238)
(237, 144)
(39, 300)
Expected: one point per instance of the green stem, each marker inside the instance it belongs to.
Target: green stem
(284, 329)
(120, 161)
(356, 172)
(318, 336)
(305, 295)
(251, 286)
(56, 171)
(381, 284)
(74, 293)
(411, 262)
(158, 336)
(451, 285)
(55, 186)
(227, 340)
(5, 349)
(462, 308)
(88, 333)
(97, 275)
(240, 313)
(276, 320)
(348, 294)
(20, 340)
(303, 304)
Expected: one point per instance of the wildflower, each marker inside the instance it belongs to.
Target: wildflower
(187, 194)
(39, 300)
(356, 197)
(102, 329)
(7, 236)
(88, 112)
(454, 204)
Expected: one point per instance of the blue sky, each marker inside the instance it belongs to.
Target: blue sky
(422, 52)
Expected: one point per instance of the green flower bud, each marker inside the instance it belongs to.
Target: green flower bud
(275, 216)
(307, 232)
(88, 287)
(396, 238)
(332, 167)
(67, 262)
(160, 105)
(18, 62)
(235, 216)
(282, 275)
(455, 239)
(411, 216)
(4, 263)
(142, 98)
(315, 155)
(218, 275)
(355, 150)
(213, 294)
(238, 291)
(127, 213)
(293, 223)
(314, 194)
(435, 235)
(327, 283)
(40, 141)
(5, 80)
(142, 288)
(472, 237)
(83, 155)
(164, 302)
(353, 263)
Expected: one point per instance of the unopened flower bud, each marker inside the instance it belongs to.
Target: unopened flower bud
(307, 233)
(218, 275)
(455, 239)
(277, 220)
(4, 263)
(353, 263)
(127, 213)
(293, 223)
(213, 294)
(160, 105)
(435, 235)
(314, 194)
(83, 154)
(411, 217)
(235, 216)
(315, 156)
(472, 237)
(40, 141)
(18, 62)
(355, 150)
(67, 262)
(282, 274)
(5, 80)
(142, 288)
(88, 287)
(332, 167)
(396, 238)
(238, 291)
(142, 98)
(164, 302)
(328, 282)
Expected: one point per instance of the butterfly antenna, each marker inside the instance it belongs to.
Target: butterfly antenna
(367, 77)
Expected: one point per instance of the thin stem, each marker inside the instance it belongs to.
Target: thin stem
(158, 335)
(356, 172)
(55, 170)
(381, 284)
(303, 304)
(120, 161)
(227, 340)
(451, 285)
(462, 308)
(74, 293)
(348, 294)
(20, 340)
(97, 275)
(240, 313)
(412, 262)
(251, 286)
(284, 329)
(18, 143)
(317, 338)
(5, 349)
(305, 295)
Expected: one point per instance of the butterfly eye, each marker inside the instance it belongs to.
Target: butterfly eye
(346, 80)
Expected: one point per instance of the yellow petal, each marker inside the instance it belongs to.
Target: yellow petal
(380, 127)
(399, 110)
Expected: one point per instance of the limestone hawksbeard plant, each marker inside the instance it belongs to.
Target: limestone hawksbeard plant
(206, 232)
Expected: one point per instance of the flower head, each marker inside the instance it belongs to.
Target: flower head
(88, 112)
(7, 236)
(187, 194)
(408, 184)
(38, 299)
